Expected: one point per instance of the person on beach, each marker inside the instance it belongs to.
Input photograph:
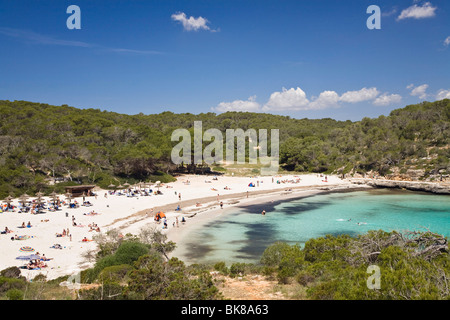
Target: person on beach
(221, 205)
(263, 212)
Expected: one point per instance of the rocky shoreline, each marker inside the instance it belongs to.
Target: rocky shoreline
(438, 188)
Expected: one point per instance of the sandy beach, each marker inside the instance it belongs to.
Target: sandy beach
(198, 196)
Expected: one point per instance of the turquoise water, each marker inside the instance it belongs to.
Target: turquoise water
(243, 234)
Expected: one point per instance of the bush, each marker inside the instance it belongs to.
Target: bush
(161, 176)
(11, 272)
(14, 294)
(304, 278)
(156, 279)
(273, 255)
(114, 273)
(11, 283)
(88, 275)
(221, 267)
(129, 251)
(240, 269)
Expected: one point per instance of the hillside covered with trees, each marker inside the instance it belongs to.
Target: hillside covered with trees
(41, 144)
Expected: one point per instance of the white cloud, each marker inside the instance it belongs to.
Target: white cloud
(326, 99)
(443, 94)
(387, 99)
(389, 13)
(418, 12)
(362, 95)
(249, 105)
(292, 99)
(295, 99)
(419, 91)
(447, 41)
(191, 24)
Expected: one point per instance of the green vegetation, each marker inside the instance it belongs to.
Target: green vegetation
(413, 266)
(41, 143)
(137, 268)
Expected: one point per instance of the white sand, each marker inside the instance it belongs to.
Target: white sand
(127, 215)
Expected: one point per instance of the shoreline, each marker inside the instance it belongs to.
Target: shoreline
(214, 212)
(431, 187)
(126, 214)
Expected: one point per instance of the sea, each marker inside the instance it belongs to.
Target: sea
(244, 233)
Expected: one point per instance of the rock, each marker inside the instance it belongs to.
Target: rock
(409, 185)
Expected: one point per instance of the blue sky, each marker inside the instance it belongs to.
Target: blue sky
(305, 59)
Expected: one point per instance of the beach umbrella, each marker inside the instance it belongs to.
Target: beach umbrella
(39, 197)
(23, 199)
(54, 196)
(8, 201)
(112, 186)
(120, 187)
(26, 249)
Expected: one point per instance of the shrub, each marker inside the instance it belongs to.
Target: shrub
(11, 283)
(273, 255)
(14, 294)
(114, 273)
(11, 272)
(128, 252)
(241, 269)
(221, 267)
(88, 275)
(304, 278)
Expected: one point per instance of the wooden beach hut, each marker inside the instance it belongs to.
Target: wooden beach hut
(77, 191)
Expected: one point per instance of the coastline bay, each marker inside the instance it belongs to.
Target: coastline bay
(242, 234)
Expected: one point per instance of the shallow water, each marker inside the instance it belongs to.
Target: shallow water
(242, 235)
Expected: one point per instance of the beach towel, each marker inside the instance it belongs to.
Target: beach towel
(20, 238)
